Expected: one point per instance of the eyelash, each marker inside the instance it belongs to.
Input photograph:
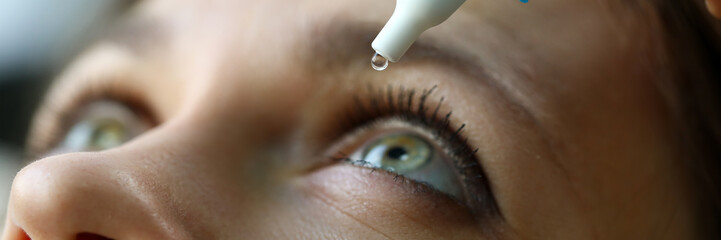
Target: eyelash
(379, 105)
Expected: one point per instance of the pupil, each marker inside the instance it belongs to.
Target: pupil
(397, 153)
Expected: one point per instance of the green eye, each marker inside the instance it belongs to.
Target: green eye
(413, 156)
(103, 125)
(97, 134)
(399, 153)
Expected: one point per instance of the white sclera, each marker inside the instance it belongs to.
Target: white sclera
(423, 162)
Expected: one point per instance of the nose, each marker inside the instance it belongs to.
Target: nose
(80, 196)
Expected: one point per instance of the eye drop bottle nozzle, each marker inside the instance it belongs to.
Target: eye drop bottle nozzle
(410, 18)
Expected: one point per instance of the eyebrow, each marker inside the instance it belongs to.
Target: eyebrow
(348, 43)
(138, 34)
(340, 43)
(345, 43)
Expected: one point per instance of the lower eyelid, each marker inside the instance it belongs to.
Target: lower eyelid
(348, 187)
(409, 185)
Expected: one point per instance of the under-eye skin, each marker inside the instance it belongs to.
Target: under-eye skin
(395, 130)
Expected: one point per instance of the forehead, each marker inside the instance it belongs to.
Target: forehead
(160, 19)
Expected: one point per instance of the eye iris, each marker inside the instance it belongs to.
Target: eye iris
(107, 134)
(96, 134)
(401, 153)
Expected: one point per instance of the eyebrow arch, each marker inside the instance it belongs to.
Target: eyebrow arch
(137, 34)
(341, 44)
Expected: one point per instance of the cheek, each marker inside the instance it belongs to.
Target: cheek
(378, 201)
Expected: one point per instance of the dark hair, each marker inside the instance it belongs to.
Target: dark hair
(692, 43)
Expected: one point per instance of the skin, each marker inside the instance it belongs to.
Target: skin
(714, 7)
(558, 96)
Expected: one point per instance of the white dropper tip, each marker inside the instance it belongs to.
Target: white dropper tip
(409, 20)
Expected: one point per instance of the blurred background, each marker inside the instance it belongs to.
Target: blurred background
(38, 38)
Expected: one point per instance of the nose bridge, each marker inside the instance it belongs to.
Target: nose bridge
(145, 189)
(63, 196)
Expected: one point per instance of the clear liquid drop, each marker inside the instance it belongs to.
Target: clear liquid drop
(379, 62)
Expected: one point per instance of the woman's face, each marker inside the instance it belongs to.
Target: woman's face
(265, 120)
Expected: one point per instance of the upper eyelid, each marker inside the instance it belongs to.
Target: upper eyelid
(409, 104)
